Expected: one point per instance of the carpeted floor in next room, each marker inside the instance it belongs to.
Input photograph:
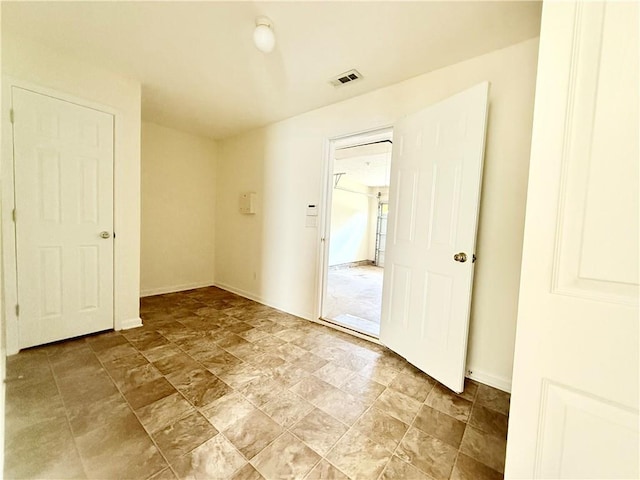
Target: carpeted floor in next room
(217, 386)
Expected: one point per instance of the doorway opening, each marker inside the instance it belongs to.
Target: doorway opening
(357, 203)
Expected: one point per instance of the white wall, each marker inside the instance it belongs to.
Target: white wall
(178, 210)
(272, 257)
(59, 71)
(349, 240)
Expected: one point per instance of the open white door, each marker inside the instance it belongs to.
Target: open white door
(574, 403)
(436, 175)
(63, 156)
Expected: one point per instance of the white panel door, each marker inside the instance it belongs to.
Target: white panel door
(63, 161)
(436, 175)
(574, 403)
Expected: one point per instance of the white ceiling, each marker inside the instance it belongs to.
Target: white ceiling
(201, 73)
(368, 165)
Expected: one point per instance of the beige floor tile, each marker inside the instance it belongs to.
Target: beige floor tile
(240, 374)
(310, 362)
(31, 404)
(365, 389)
(334, 374)
(116, 351)
(489, 421)
(125, 440)
(215, 459)
(414, 386)
(221, 362)
(42, 450)
(77, 390)
(253, 334)
(166, 474)
(85, 417)
(448, 402)
(319, 430)
(252, 433)
(311, 388)
(269, 342)
(261, 391)
(325, 471)
(359, 457)
(486, 448)
(398, 469)
(176, 363)
(470, 390)
(149, 393)
(397, 405)
(427, 453)
(440, 425)
(287, 408)
(228, 410)
(183, 436)
(289, 351)
(341, 405)
(381, 428)
(163, 351)
(466, 468)
(129, 378)
(493, 398)
(287, 457)
(200, 387)
(157, 415)
(247, 473)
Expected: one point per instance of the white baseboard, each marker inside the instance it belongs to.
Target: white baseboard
(501, 383)
(259, 299)
(131, 323)
(174, 288)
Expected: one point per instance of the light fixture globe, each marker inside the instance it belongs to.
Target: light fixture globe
(263, 36)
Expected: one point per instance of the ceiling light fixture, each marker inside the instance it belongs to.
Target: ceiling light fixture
(263, 35)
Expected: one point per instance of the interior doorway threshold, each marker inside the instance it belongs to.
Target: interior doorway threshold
(355, 324)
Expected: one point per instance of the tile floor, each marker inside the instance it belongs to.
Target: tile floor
(217, 386)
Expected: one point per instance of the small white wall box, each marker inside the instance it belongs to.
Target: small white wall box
(312, 210)
(248, 203)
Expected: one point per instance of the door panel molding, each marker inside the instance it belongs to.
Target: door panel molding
(567, 416)
(584, 267)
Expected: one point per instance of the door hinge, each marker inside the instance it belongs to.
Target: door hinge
(14, 215)
(11, 116)
(17, 310)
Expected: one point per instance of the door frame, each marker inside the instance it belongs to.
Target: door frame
(9, 258)
(330, 145)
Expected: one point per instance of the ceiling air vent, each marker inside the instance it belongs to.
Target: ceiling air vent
(345, 77)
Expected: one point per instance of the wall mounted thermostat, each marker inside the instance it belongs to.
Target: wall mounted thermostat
(248, 203)
(311, 220)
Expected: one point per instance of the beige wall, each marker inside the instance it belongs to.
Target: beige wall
(41, 66)
(178, 209)
(273, 257)
(349, 239)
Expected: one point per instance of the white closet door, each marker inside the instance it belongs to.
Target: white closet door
(63, 160)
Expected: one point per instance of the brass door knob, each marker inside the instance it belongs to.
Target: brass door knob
(105, 234)
(460, 257)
